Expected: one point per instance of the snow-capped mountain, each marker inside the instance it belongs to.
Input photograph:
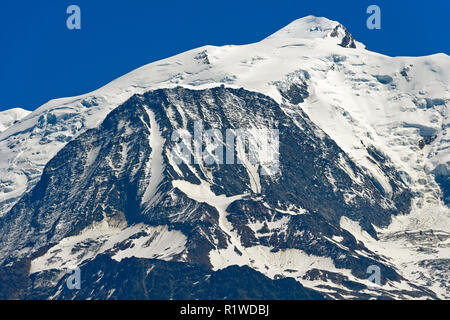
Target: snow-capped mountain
(91, 181)
(11, 116)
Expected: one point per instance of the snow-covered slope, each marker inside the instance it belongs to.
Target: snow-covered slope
(384, 112)
(9, 117)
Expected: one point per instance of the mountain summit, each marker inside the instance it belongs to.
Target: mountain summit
(312, 27)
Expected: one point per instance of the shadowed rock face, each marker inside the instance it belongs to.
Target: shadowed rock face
(160, 280)
(442, 177)
(105, 174)
(296, 93)
(347, 41)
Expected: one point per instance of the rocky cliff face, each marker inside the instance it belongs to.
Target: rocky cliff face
(123, 176)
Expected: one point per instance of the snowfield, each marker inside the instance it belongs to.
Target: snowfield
(9, 117)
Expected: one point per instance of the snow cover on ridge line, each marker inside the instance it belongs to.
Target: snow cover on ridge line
(144, 242)
(312, 27)
(9, 117)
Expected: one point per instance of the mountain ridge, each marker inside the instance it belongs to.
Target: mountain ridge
(388, 116)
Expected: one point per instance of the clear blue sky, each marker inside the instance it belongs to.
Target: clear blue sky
(40, 59)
